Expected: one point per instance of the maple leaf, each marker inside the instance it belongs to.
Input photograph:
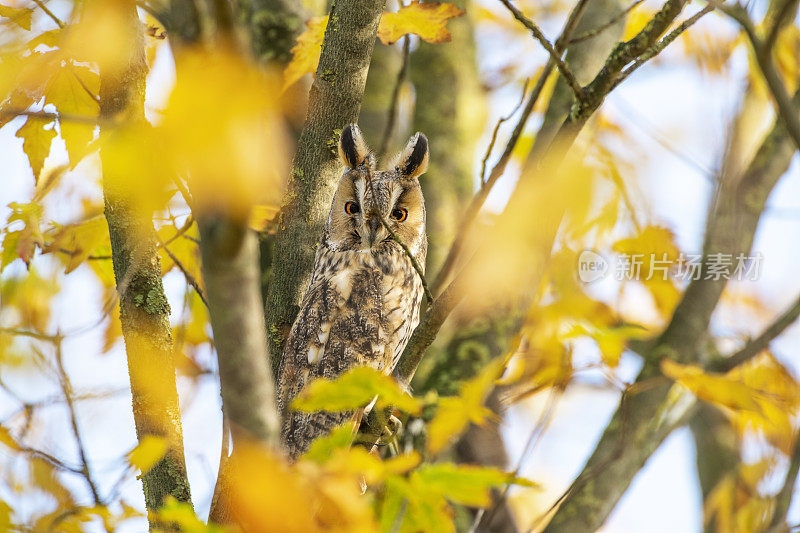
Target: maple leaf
(306, 51)
(75, 242)
(427, 20)
(68, 90)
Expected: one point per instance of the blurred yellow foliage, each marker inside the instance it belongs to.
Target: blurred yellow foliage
(761, 395)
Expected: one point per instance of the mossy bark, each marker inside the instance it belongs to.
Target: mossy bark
(144, 310)
(334, 101)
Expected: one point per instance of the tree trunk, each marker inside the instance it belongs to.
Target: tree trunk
(334, 101)
(144, 311)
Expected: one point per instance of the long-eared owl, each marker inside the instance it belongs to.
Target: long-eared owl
(363, 299)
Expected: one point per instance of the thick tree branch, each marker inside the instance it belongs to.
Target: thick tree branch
(144, 310)
(334, 101)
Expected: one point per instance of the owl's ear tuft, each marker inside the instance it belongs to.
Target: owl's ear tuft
(413, 160)
(352, 148)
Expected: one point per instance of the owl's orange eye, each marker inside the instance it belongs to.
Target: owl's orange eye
(351, 208)
(399, 214)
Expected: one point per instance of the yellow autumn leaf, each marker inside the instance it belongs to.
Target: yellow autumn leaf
(180, 247)
(37, 135)
(428, 20)
(650, 257)
(454, 414)
(18, 15)
(465, 484)
(74, 243)
(306, 51)
(148, 452)
(8, 440)
(235, 149)
(69, 91)
(261, 216)
(636, 22)
(714, 388)
(761, 395)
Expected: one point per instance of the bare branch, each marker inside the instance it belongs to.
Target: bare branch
(186, 274)
(500, 122)
(656, 49)
(66, 389)
(475, 205)
(600, 29)
(786, 110)
(554, 55)
(391, 115)
(50, 14)
(760, 343)
(784, 497)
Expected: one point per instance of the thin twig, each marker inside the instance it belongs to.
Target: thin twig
(662, 44)
(391, 116)
(555, 55)
(760, 343)
(61, 117)
(533, 439)
(786, 110)
(496, 129)
(783, 499)
(190, 279)
(27, 333)
(783, 15)
(50, 14)
(396, 238)
(475, 205)
(66, 389)
(594, 32)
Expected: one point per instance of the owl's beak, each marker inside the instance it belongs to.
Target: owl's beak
(374, 225)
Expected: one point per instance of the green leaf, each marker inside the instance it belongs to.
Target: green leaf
(465, 484)
(18, 15)
(354, 390)
(322, 448)
(454, 414)
(149, 451)
(37, 135)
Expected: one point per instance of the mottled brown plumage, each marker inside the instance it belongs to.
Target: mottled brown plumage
(363, 300)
